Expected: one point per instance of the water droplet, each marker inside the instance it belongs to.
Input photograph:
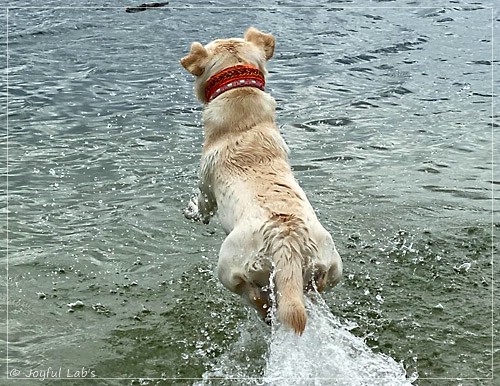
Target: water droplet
(463, 267)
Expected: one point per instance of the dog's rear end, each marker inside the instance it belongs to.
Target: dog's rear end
(246, 177)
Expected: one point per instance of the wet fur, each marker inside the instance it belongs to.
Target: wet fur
(246, 177)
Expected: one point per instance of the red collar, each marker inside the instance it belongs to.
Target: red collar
(242, 75)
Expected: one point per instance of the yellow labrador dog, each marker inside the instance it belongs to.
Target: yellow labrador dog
(246, 177)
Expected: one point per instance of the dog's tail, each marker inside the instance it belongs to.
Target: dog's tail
(289, 288)
(287, 242)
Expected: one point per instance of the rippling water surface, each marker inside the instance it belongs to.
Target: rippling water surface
(387, 109)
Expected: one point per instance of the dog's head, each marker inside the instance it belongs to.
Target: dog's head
(255, 49)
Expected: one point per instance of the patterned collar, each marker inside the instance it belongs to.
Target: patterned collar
(241, 75)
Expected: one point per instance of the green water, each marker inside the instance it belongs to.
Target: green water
(388, 114)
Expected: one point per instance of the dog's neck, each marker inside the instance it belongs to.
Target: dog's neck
(236, 112)
(241, 75)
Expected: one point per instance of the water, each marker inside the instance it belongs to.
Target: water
(327, 353)
(387, 109)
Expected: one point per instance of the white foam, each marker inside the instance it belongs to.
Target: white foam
(327, 353)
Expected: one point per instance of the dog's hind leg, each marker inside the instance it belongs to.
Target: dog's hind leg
(256, 297)
(234, 273)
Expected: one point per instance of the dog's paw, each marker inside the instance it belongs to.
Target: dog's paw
(191, 212)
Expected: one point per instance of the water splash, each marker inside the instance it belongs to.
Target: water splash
(326, 354)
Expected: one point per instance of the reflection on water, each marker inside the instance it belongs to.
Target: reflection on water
(387, 112)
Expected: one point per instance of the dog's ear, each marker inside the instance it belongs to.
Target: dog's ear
(262, 40)
(196, 60)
